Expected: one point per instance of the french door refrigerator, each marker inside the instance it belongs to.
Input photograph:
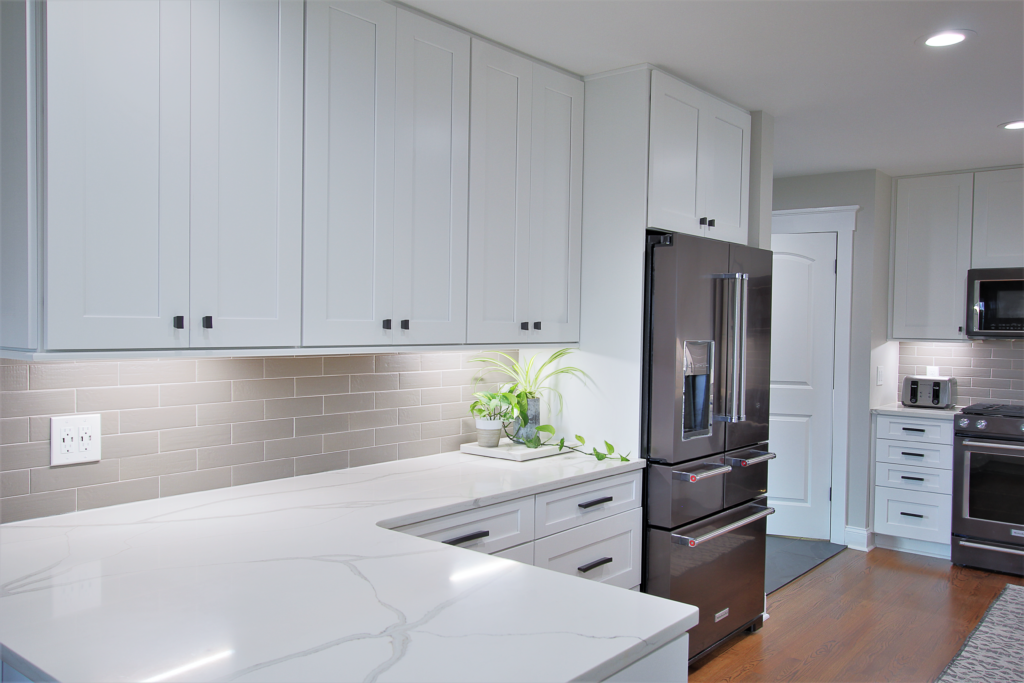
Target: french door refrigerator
(707, 352)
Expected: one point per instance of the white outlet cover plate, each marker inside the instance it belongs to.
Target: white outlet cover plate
(74, 422)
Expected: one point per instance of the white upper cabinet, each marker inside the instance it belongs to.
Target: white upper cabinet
(348, 269)
(246, 173)
(525, 200)
(998, 237)
(931, 256)
(117, 249)
(431, 182)
(699, 164)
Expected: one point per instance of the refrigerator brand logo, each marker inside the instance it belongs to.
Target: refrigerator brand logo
(722, 615)
(1017, 532)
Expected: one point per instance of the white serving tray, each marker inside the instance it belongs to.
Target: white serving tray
(507, 450)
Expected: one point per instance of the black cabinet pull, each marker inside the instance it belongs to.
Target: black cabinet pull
(916, 455)
(405, 324)
(912, 514)
(912, 478)
(711, 222)
(524, 326)
(536, 325)
(913, 429)
(387, 323)
(704, 220)
(179, 322)
(596, 501)
(467, 538)
(593, 565)
(208, 322)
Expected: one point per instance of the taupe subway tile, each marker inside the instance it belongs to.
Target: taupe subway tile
(401, 362)
(194, 437)
(28, 403)
(373, 418)
(346, 441)
(990, 383)
(37, 505)
(347, 365)
(432, 430)
(291, 448)
(469, 392)
(452, 411)
(440, 361)
(385, 382)
(417, 449)
(74, 476)
(110, 422)
(14, 483)
(129, 445)
(237, 454)
(419, 414)
(388, 435)
(348, 403)
(972, 352)
(441, 395)
(325, 462)
(1010, 353)
(14, 430)
(322, 424)
(190, 482)
(159, 372)
(117, 398)
(262, 471)
(242, 432)
(453, 378)
(294, 407)
(72, 375)
(250, 389)
(371, 456)
(195, 393)
(321, 386)
(1008, 394)
(419, 380)
(226, 413)
(396, 399)
(24, 455)
(994, 363)
(142, 466)
(153, 419)
(91, 497)
(13, 377)
(452, 443)
(229, 368)
(303, 366)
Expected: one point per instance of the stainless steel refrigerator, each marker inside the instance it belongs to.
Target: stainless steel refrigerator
(707, 353)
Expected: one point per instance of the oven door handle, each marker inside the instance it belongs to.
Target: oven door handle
(991, 547)
(694, 477)
(985, 444)
(694, 541)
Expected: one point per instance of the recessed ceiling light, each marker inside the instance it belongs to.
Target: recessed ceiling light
(1012, 125)
(946, 38)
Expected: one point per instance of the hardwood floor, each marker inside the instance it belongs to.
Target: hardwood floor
(878, 616)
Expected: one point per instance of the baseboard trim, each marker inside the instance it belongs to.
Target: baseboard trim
(912, 545)
(860, 539)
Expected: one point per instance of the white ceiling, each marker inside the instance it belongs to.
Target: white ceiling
(847, 84)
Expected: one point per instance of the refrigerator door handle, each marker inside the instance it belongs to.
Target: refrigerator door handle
(747, 462)
(694, 541)
(741, 342)
(736, 399)
(694, 477)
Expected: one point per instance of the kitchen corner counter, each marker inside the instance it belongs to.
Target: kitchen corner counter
(901, 410)
(303, 580)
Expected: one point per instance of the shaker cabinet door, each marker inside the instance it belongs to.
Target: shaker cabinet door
(117, 249)
(349, 173)
(499, 197)
(931, 257)
(556, 181)
(246, 173)
(998, 237)
(728, 171)
(675, 199)
(431, 181)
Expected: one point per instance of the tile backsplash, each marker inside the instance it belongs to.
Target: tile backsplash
(177, 426)
(987, 371)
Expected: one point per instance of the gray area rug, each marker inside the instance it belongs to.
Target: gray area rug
(993, 650)
(788, 558)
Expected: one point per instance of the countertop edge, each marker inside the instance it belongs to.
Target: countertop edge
(928, 413)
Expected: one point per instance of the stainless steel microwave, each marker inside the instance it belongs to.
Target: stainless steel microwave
(995, 303)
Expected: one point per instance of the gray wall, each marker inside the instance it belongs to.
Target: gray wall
(868, 345)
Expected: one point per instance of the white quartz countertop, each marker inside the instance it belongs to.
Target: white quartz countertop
(299, 580)
(904, 411)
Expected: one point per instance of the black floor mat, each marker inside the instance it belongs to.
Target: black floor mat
(787, 558)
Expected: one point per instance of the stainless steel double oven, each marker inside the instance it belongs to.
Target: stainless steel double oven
(707, 355)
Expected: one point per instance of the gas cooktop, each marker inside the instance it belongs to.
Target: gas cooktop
(994, 409)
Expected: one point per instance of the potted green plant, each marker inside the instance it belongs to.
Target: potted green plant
(492, 412)
(528, 384)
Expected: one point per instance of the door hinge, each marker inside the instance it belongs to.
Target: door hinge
(830, 494)
(835, 266)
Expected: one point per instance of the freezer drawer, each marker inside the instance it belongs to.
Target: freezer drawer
(723, 575)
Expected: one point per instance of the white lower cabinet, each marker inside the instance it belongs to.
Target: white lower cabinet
(607, 550)
(913, 514)
(487, 530)
(520, 553)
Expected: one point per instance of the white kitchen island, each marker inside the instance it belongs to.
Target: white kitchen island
(300, 580)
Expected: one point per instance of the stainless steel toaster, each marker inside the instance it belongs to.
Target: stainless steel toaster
(928, 392)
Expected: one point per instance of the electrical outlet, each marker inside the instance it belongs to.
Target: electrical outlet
(75, 439)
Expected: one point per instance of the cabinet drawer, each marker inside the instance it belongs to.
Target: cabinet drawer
(496, 527)
(913, 514)
(914, 429)
(914, 453)
(520, 553)
(914, 478)
(607, 550)
(572, 506)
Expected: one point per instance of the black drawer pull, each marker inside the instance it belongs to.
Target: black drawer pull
(593, 565)
(916, 455)
(387, 323)
(524, 326)
(913, 429)
(404, 324)
(912, 478)
(536, 326)
(179, 322)
(596, 501)
(459, 540)
(912, 514)
(208, 322)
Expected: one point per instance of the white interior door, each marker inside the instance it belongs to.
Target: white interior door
(803, 346)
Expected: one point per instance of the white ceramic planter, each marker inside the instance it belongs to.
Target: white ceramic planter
(488, 432)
